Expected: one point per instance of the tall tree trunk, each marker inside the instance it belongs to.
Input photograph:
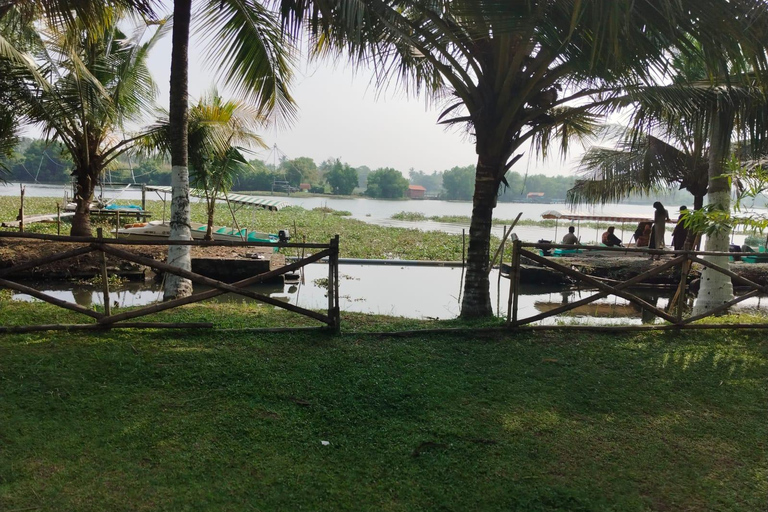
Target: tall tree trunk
(179, 255)
(716, 288)
(81, 222)
(477, 294)
(210, 210)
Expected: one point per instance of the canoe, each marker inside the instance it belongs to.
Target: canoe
(156, 230)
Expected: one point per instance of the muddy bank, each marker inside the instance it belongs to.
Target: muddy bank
(15, 252)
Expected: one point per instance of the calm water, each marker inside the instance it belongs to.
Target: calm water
(412, 292)
(362, 208)
(379, 212)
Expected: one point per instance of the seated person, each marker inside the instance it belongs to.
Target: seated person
(610, 239)
(644, 239)
(570, 238)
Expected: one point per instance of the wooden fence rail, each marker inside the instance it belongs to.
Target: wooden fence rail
(112, 247)
(682, 259)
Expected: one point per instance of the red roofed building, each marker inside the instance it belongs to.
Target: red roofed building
(304, 187)
(416, 191)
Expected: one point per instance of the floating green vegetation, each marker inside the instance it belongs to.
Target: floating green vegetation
(331, 211)
(358, 239)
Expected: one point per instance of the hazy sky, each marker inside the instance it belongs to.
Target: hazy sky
(342, 116)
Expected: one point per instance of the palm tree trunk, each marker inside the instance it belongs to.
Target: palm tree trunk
(81, 222)
(179, 255)
(211, 210)
(717, 288)
(476, 302)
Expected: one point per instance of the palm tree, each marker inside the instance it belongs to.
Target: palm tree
(219, 131)
(248, 43)
(519, 72)
(88, 87)
(642, 164)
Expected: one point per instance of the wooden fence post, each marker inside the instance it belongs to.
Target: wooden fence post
(498, 278)
(504, 238)
(104, 276)
(58, 219)
(514, 283)
(517, 248)
(21, 210)
(463, 252)
(333, 285)
(337, 309)
(684, 269)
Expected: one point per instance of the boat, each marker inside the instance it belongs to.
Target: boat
(578, 217)
(157, 230)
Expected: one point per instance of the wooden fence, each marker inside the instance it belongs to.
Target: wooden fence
(674, 316)
(127, 319)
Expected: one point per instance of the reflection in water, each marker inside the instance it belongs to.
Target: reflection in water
(412, 292)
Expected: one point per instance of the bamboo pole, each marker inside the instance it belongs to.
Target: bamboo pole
(631, 328)
(572, 305)
(722, 307)
(603, 287)
(200, 243)
(337, 309)
(330, 283)
(102, 327)
(301, 270)
(498, 277)
(104, 278)
(49, 299)
(219, 287)
(736, 277)
(501, 246)
(232, 212)
(516, 251)
(463, 252)
(679, 298)
(21, 210)
(512, 280)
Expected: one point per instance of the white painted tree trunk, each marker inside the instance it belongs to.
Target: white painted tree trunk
(179, 255)
(716, 288)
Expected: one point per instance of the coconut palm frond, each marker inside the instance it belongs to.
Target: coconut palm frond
(610, 175)
(92, 14)
(253, 58)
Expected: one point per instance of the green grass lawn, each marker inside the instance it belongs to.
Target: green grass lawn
(222, 420)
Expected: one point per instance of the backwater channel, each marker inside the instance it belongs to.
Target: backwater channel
(395, 289)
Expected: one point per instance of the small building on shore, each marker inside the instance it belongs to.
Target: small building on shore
(416, 191)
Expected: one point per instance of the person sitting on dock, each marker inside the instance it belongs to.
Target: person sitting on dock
(570, 238)
(610, 239)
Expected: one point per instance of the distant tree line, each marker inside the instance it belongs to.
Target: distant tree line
(49, 162)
